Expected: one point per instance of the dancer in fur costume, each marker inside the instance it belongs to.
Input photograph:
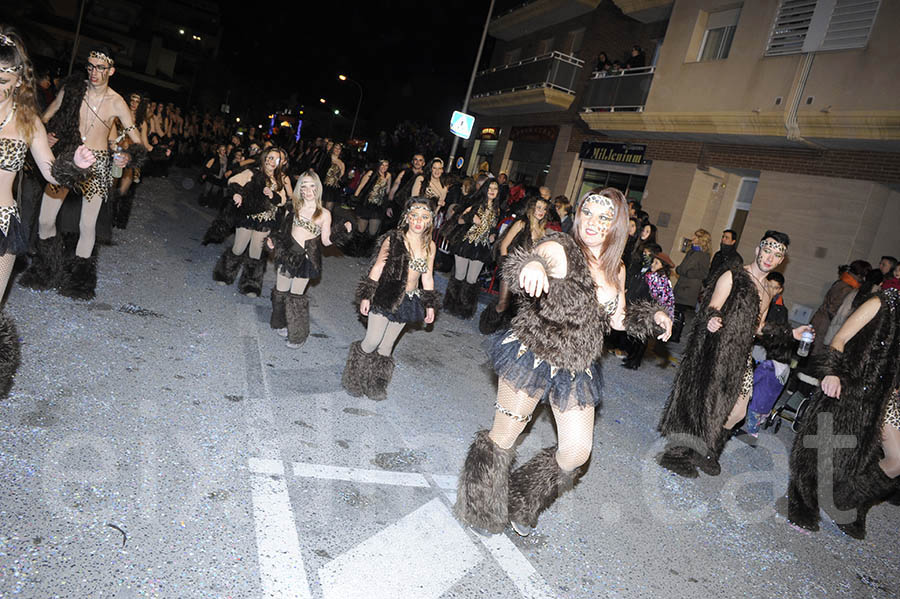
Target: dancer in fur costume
(859, 401)
(522, 234)
(21, 130)
(298, 257)
(573, 293)
(257, 193)
(390, 296)
(473, 250)
(714, 383)
(82, 112)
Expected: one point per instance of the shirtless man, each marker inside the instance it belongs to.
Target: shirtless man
(98, 109)
(715, 380)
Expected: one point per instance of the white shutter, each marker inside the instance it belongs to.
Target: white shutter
(850, 25)
(819, 25)
(792, 21)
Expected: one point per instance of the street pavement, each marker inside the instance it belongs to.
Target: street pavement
(161, 441)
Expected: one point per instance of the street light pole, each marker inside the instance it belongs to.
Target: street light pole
(77, 35)
(465, 105)
(358, 103)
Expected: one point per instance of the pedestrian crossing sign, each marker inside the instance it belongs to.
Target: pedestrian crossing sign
(461, 124)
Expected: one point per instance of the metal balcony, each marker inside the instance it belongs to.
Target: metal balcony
(624, 91)
(539, 84)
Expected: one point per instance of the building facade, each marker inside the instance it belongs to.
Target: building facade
(772, 114)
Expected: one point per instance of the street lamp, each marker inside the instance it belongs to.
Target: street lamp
(358, 103)
(322, 100)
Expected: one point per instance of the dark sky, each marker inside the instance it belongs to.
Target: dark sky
(412, 58)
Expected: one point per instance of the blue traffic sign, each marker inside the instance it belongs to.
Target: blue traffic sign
(461, 124)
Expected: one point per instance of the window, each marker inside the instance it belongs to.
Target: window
(720, 28)
(544, 47)
(573, 42)
(803, 26)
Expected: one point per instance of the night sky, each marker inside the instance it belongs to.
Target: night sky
(413, 59)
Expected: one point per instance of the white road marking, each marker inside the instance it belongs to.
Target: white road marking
(266, 466)
(421, 556)
(529, 582)
(281, 569)
(359, 475)
(445, 481)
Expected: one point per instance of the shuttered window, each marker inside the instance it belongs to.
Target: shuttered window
(820, 25)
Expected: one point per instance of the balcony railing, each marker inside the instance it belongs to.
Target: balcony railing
(621, 91)
(555, 70)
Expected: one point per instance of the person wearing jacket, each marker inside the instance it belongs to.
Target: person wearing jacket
(692, 270)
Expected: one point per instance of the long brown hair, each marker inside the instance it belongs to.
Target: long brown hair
(610, 258)
(278, 173)
(24, 94)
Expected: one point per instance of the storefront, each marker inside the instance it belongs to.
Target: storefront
(483, 149)
(531, 153)
(613, 165)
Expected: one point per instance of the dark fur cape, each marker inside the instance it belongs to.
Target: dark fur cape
(565, 326)
(64, 123)
(9, 354)
(388, 291)
(253, 200)
(708, 382)
(869, 370)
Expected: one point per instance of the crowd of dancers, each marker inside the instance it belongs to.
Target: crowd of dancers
(563, 262)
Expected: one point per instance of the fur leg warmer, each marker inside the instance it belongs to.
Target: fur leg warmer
(226, 268)
(534, 486)
(219, 229)
(800, 512)
(355, 379)
(451, 298)
(380, 376)
(483, 486)
(44, 271)
(296, 310)
(79, 278)
(678, 460)
(10, 354)
(251, 279)
(862, 492)
(123, 209)
(492, 321)
(278, 319)
(468, 300)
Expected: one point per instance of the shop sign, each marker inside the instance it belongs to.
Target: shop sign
(612, 152)
(488, 133)
(536, 134)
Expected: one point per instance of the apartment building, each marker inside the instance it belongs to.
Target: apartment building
(751, 115)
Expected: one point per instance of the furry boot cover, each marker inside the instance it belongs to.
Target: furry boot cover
(219, 229)
(492, 321)
(451, 298)
(862, 492)
(296, 309)
(44, 271)
(678, 460)
(278, 319)
(534, 486)
(227, 267)
(123, 209)
(380, 376)
(250, 283)
(468, 300)
(483, 486)
(9, 354)
(79, 278)
(355, 379)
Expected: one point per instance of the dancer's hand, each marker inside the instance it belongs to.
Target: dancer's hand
(364, 307)
(429, 315)
(84, 157)
(52, 139)
(120, 159)
(348, 227)
(533, 279)
(267, 192)
(714, 324)
(831, 385)
(798, 332)
(237, 200)
(662, 319)
(269, 243)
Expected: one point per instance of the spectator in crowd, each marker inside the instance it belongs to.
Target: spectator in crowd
(726, 258)
(893, 279)
(854, 299)
(602, 62)
(887, 265)
(564, 209)
(637, 59)
(777, 310)
(692, 271)
(655, 286)
(849, 278)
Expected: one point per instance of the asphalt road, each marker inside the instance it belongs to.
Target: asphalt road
(161, 441)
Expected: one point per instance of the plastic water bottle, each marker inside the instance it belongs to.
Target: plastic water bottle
(115, 169)
(806, 340)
